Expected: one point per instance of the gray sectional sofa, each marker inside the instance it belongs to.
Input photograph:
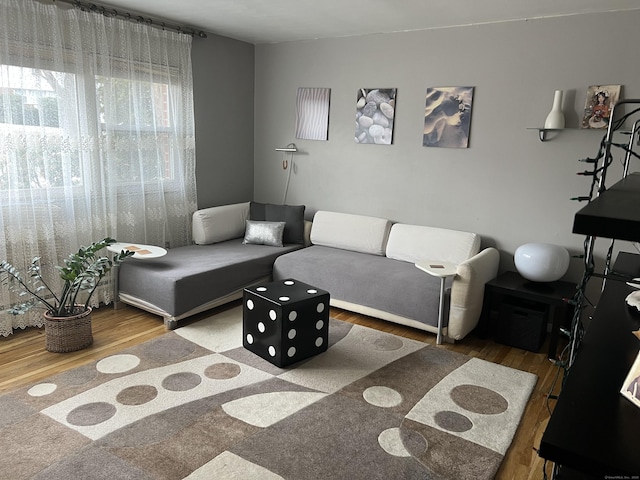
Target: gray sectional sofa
(367, 264)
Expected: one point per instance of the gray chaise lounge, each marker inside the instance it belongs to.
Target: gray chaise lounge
(195, 278)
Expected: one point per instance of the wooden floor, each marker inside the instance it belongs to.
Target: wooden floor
(24, 360)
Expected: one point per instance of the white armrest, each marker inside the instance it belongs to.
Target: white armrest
(467, 291)
(217, 224)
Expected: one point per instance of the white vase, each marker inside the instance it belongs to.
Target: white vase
(541, 262)
(555, 119)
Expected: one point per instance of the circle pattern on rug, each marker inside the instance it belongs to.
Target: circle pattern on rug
(222, 371)
(137, 395)
(478, 399)
(413, 441)
(453, 421)
(42, 389)
(392, 443)
(181, 382)
(118, 363)
(91, 414)
(382, 396)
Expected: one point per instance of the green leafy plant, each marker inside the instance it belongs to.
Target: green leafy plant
(82, 272)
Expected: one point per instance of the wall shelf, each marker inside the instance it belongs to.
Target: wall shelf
(543, 132)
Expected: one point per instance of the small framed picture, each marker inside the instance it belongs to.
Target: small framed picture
(631, 386)
(599, 104)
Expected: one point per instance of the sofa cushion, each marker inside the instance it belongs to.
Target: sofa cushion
(413, 243)
(218, 224)
(372, 281)
(264, 233)
(350, 232)
(292, 215)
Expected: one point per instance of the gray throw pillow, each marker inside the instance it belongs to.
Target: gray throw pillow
(264, 233)
(292, 215)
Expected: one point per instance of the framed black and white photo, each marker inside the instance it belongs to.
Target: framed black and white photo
(375, 111)
(312, 113)
(447, 117)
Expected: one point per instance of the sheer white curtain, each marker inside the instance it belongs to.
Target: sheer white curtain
(96, 137)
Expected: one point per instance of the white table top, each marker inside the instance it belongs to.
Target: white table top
(140, 250)
(438, 268)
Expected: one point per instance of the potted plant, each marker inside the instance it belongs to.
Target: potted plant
(67, 322)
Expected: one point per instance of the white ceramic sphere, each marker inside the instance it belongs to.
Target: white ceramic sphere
(541, 262)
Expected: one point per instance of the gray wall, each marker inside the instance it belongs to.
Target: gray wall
(507, 186)
(223, 75)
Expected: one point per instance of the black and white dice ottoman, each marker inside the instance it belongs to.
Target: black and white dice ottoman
(285, 321)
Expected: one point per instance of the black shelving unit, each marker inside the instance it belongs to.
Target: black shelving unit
(592, 431)
(614, 214)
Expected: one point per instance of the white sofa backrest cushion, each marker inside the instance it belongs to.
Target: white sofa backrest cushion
(217, 224)
(414, 243)
(350, 232)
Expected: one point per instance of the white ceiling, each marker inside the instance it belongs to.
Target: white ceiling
(274, 21)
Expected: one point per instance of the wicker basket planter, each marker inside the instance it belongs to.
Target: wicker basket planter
(67, 325)
(68, 334)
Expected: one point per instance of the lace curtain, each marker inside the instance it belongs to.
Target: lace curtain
(96, 138)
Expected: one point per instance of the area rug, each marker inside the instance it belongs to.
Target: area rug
(195, 404)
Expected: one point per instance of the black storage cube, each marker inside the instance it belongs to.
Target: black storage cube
(285, 321)
(522, 324)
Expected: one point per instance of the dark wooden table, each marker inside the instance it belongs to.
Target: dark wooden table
(594, 430)
(551, 295)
